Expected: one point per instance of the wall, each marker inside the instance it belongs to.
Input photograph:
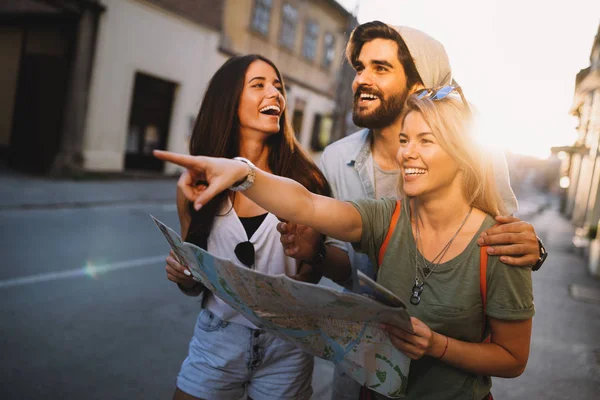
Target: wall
(138, 36)
(314, 104)
(240, 38)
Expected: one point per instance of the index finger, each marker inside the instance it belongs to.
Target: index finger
(509, 227)
(183, 160)
(505, 219)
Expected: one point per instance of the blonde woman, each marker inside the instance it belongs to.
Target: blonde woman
(432, 258)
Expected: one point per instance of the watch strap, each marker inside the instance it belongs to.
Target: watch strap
(248, 180)
(542, 258)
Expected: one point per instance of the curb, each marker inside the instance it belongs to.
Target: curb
(82, 204)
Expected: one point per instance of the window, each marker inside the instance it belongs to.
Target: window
(328, 49)
(289, 18)
(321, 132)
(311, 33)
(262, 16)
(297, 120)
(149, 121)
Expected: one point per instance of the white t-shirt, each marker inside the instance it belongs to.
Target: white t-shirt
(226, 233)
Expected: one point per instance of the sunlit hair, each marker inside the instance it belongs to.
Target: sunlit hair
(217, 134)
(451, 122)
(369, 31)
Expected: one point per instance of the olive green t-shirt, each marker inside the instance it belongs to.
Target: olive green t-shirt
(451, 299)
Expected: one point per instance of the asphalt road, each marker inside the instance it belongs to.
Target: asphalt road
(88, 333)
(87, 313)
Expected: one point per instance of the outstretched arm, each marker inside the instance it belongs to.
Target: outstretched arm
(283, 197)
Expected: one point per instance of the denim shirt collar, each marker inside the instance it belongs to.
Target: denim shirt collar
(363, 165)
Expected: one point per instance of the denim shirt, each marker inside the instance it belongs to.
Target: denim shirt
(348, 166)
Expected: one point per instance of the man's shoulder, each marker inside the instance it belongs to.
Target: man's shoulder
(347, 146)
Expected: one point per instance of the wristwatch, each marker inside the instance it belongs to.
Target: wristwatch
(248, 180)
(543, 256)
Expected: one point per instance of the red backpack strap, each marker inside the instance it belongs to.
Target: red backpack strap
(391, 230)
(483, 261)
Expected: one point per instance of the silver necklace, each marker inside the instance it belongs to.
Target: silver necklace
(418, 287)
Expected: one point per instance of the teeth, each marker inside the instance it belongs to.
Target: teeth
(366, 96)
(414, 171)
(267, 108)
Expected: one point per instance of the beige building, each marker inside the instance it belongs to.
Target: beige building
(581, 169)
(95, 85)
(305, 39)
(153, 62)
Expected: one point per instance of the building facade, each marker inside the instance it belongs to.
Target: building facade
(154, 59)
(581, 201)
(306, 40)
(46, 54)
(96, 85)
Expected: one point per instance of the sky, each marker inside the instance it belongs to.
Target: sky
(515, 60)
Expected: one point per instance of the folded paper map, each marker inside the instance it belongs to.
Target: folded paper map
(338, 326)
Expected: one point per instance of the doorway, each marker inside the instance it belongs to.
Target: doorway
(149, 121)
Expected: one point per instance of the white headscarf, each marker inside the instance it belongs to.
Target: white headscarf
(429, 56)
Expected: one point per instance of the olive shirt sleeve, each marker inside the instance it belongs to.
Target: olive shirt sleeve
(509, 291)
(376, 216)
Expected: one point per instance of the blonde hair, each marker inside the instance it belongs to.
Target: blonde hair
(451, 122)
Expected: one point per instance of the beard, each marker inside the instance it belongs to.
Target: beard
(389, 109)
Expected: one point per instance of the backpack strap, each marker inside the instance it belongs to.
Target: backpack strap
(483, 261)
(391, 230)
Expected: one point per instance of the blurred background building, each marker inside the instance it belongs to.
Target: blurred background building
(580, 175)
(96, 85)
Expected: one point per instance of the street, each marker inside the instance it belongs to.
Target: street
(87, 311)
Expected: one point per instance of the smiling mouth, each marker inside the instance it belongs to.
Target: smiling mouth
(414, 171)
(271, 110)
(365, 98)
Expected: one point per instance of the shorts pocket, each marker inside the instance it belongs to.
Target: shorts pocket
(208, 322)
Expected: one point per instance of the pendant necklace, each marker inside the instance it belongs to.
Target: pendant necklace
(419, 285)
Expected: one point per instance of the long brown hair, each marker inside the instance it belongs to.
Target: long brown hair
(216, 134)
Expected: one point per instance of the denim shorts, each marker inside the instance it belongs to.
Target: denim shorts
(229, 361)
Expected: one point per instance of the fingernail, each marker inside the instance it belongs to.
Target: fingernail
(480, 241)
(188, 273)
(197, 206)
(483, 234)
(490, 250)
